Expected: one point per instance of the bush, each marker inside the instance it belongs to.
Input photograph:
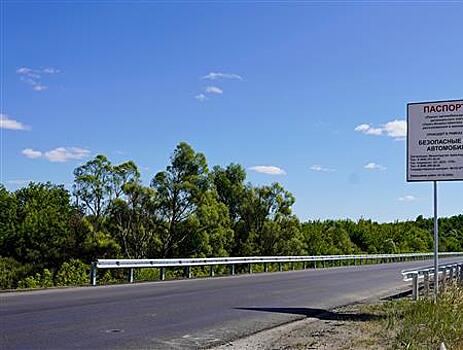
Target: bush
(73, 273)
(43, 280)
(11, 272)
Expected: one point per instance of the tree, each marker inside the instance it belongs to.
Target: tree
(92, 186)
(43, 214)
(180, 189)
(230, 187)
(210, 231)
(133, 220)
(8, 221)
(260, 207)
(98, 182)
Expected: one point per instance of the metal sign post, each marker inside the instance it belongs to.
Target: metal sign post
(436, 244)
(435, 151)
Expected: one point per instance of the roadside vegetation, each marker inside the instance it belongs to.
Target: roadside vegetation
(49, 235)
(426, 324)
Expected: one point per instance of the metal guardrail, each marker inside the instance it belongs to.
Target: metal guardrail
(446, 273)
(162, 264)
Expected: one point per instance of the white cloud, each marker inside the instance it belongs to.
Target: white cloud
(317, 167)
(217, 75)
(39, 87)
(396, 129)
(31, 153)
(201, 97)
(374, 166)
(407, 198)
(268, 169)
(59, 154)
(214, 90)
(367, 129)
(51, 70)
(63, 154)
(7, 123)
(33, 77)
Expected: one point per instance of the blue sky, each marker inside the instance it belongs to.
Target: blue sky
(312, 95)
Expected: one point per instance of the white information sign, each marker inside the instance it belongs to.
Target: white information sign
(435, 141)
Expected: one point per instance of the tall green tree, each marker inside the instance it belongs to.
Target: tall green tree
(42, 235)
(98, 182)
(133, 220)
(8, 221)
(180, 189)
(230, 187)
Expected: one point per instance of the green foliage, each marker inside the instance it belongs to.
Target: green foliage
(11, 272)
(186, 211)
(146, 274)
(41, 232)
(72, 273)
(179, 189)
(101, 245)
(39, 280)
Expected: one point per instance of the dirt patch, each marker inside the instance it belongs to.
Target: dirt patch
(357, 326)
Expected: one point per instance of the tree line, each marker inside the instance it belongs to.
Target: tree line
(49, 235)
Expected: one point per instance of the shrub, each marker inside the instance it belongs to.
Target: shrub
(43, 280)
(72, 273)
(11, 272)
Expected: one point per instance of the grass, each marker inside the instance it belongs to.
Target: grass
(425, 324)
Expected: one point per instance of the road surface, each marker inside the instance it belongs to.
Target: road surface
(186, 314)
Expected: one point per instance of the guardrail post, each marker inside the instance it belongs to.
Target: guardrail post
(188, 271)
(232, 269)
(280, 267)
(415, 287)
(426, 283)
(211, 271)
(315, 264)
(93, 272)
(162, 273)
(444, 278)
(130, 275)
(265, 267)
(250, 268)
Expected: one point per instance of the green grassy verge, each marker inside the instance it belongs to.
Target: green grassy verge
(425, 324)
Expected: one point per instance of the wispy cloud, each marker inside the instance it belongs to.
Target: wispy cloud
(317, 167)
(374, 166)
(31, 153)
(396, 129)
(213, 90)
(218, 76)
(59, 154)
(268, 169)
(407, 198)
(34, 77)
(367, 129)
(7, 123)
(201, 97)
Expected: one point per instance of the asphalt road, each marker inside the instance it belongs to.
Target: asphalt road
(186, 314)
